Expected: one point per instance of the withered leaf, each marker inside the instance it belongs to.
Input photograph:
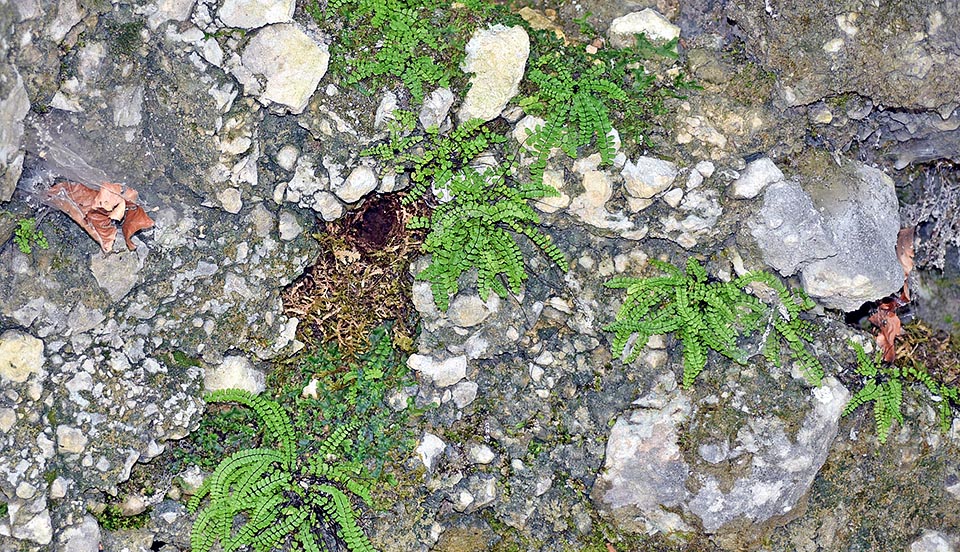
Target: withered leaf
(96, 210)
(136, 219)
(888, 322)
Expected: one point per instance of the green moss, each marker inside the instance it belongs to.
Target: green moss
(124, 37)
(112, 519)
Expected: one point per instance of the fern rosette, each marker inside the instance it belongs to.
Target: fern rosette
(273, 493)
(709, 315)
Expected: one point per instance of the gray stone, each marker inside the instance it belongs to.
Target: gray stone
(327, 205)
(435, 108)
(289, 228)
(127, 106)
(70, 440)
(780, 469)
(167, 10)
(935, 541)
(13, 109)
(464, 393)
(20, 355)
(287, 157)
(235, 372)
(496, 56)
(429, 450)
(37, 528)
(82, 537)
(116, 273)
(789, 229)
(68, 15)
(230, 199)
(480, 454)
(441, 373)
(468, 310)
(648, 177)
(644, 473)
(840, 232)
(648, 21)
(362, 180)
(757, 176)
(388, 104)
(291, 63)
(305, 183)
(83, 318)
(252, 14)
(863, 220)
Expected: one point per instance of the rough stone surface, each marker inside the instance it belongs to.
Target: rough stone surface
(234, 372)
(839, 231)
(758, 175)
(496, 56)
(13, 109)
(862, 219)
(429, 450)
(441, 373)
(21, 355)
(362, 180)
(644, 471)
(290, 63)
(435, 108)
(648, 21)
(648, 176)
(251, 14)
(789, 229)
(781, 469)
(935, 541)
(901, 57)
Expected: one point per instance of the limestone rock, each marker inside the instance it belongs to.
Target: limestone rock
(757, 176)
(648, 177)
(429, 450)
(252, 14)
(441, 373)
(289, 227)
(656, 27)
(644, 470)
(935, 541)
(435, 108)
(845, 247)
(235, 372)
(781, 469)
(13, 109)
(82, 537)
(167, 10)
(291, 63)
(496, 56)
(789, 229)
(117, 273)
(20, 355)
(70, 439)
(468, 310)
(362, 180)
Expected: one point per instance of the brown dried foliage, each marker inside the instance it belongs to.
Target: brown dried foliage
(97, 210)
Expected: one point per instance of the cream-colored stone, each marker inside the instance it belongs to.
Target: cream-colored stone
(497, 57)
(20, 355)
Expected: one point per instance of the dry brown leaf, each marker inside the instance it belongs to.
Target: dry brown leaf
(905, 249)
(346, 256)
(136, 219)
(888, 322)
(96, 210)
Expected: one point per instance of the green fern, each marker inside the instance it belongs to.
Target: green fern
(432, 158)
(273, 493)
(883, 384)
(706, 315)
(576, 108)
(476, 228)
